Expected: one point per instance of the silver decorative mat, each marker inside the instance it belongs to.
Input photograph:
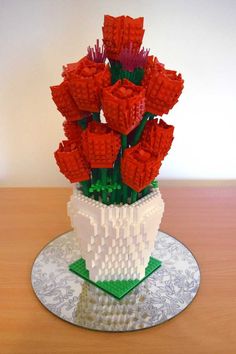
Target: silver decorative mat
(166, 293)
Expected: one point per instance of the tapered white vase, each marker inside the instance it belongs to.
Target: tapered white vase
(116, 241)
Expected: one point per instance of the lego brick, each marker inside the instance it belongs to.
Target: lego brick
(116, 288)
(163, 88)
(123, 105)
(129, 239)
(119, 32)
(65, 103)
(139, 166)
(71, 161)
(157, 137)
(100, 145)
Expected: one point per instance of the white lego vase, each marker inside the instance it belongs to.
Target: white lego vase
(116, 241)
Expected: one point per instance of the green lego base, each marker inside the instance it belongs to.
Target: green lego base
(116, 288)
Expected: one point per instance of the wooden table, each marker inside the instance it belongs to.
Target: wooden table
(203, 218)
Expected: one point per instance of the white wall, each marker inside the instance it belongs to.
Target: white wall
(198, 38)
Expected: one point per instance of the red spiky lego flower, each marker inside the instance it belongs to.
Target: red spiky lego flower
(65, 102)
(139, 167)
(71, 162)
(119, 32)
(123, 105)
(85, 80)
(157, 137)
(100, 145)
(163, 87)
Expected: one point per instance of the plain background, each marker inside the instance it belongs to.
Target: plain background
(196, 38)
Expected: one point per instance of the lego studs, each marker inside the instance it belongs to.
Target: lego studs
(139, 167)
(163, 87)
(119, 32)
(71, 162)
(65, 103)
(123, 105)
(100, 145)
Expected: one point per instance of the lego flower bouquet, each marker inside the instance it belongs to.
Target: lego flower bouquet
(111, 100)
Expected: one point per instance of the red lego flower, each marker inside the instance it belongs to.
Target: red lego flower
(100, 145)
(70, 68)
(163, 87)
(123, 105)
(139, 167)
(71, 162)
(72, 130)
(153, 66)
(119, 32)
(157, 137)
(65, 102)
(85, 80)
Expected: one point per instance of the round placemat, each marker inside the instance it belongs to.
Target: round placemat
(162, 296)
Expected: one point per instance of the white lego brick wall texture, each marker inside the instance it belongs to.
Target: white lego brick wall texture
(116, 241)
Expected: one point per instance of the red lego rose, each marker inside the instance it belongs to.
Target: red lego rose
(152, 66)
(139, 167)
(163, 88)
(70, 68)
(71, 162)
(85, 80)
(123, 105)
(100, 145)
(157, 137)
(119, 32)
(72, 130)
(65, 102)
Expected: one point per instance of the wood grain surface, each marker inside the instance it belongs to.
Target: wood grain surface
(203, 218)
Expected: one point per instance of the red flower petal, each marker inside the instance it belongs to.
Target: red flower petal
(163, 88)
(65, 103)
(157, 137)
(71, 162)
(123, 105)
(100, 145)
(139, 167)
(119, 32)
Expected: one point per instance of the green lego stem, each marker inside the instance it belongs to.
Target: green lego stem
(145, 191)
(96, 116)
(94, 175)
(104, 182)
(141, 127)
(134, 196)
(123, 143)
(124, 193)
(115, 179)
(124, 186)
(118, 195)
(94, 180)
(117, 73)
(85, 187)
(113, 197)
(82, 123)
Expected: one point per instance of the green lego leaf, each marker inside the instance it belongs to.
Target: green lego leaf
(154, 183)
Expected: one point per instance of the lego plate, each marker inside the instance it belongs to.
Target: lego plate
(162, 296)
